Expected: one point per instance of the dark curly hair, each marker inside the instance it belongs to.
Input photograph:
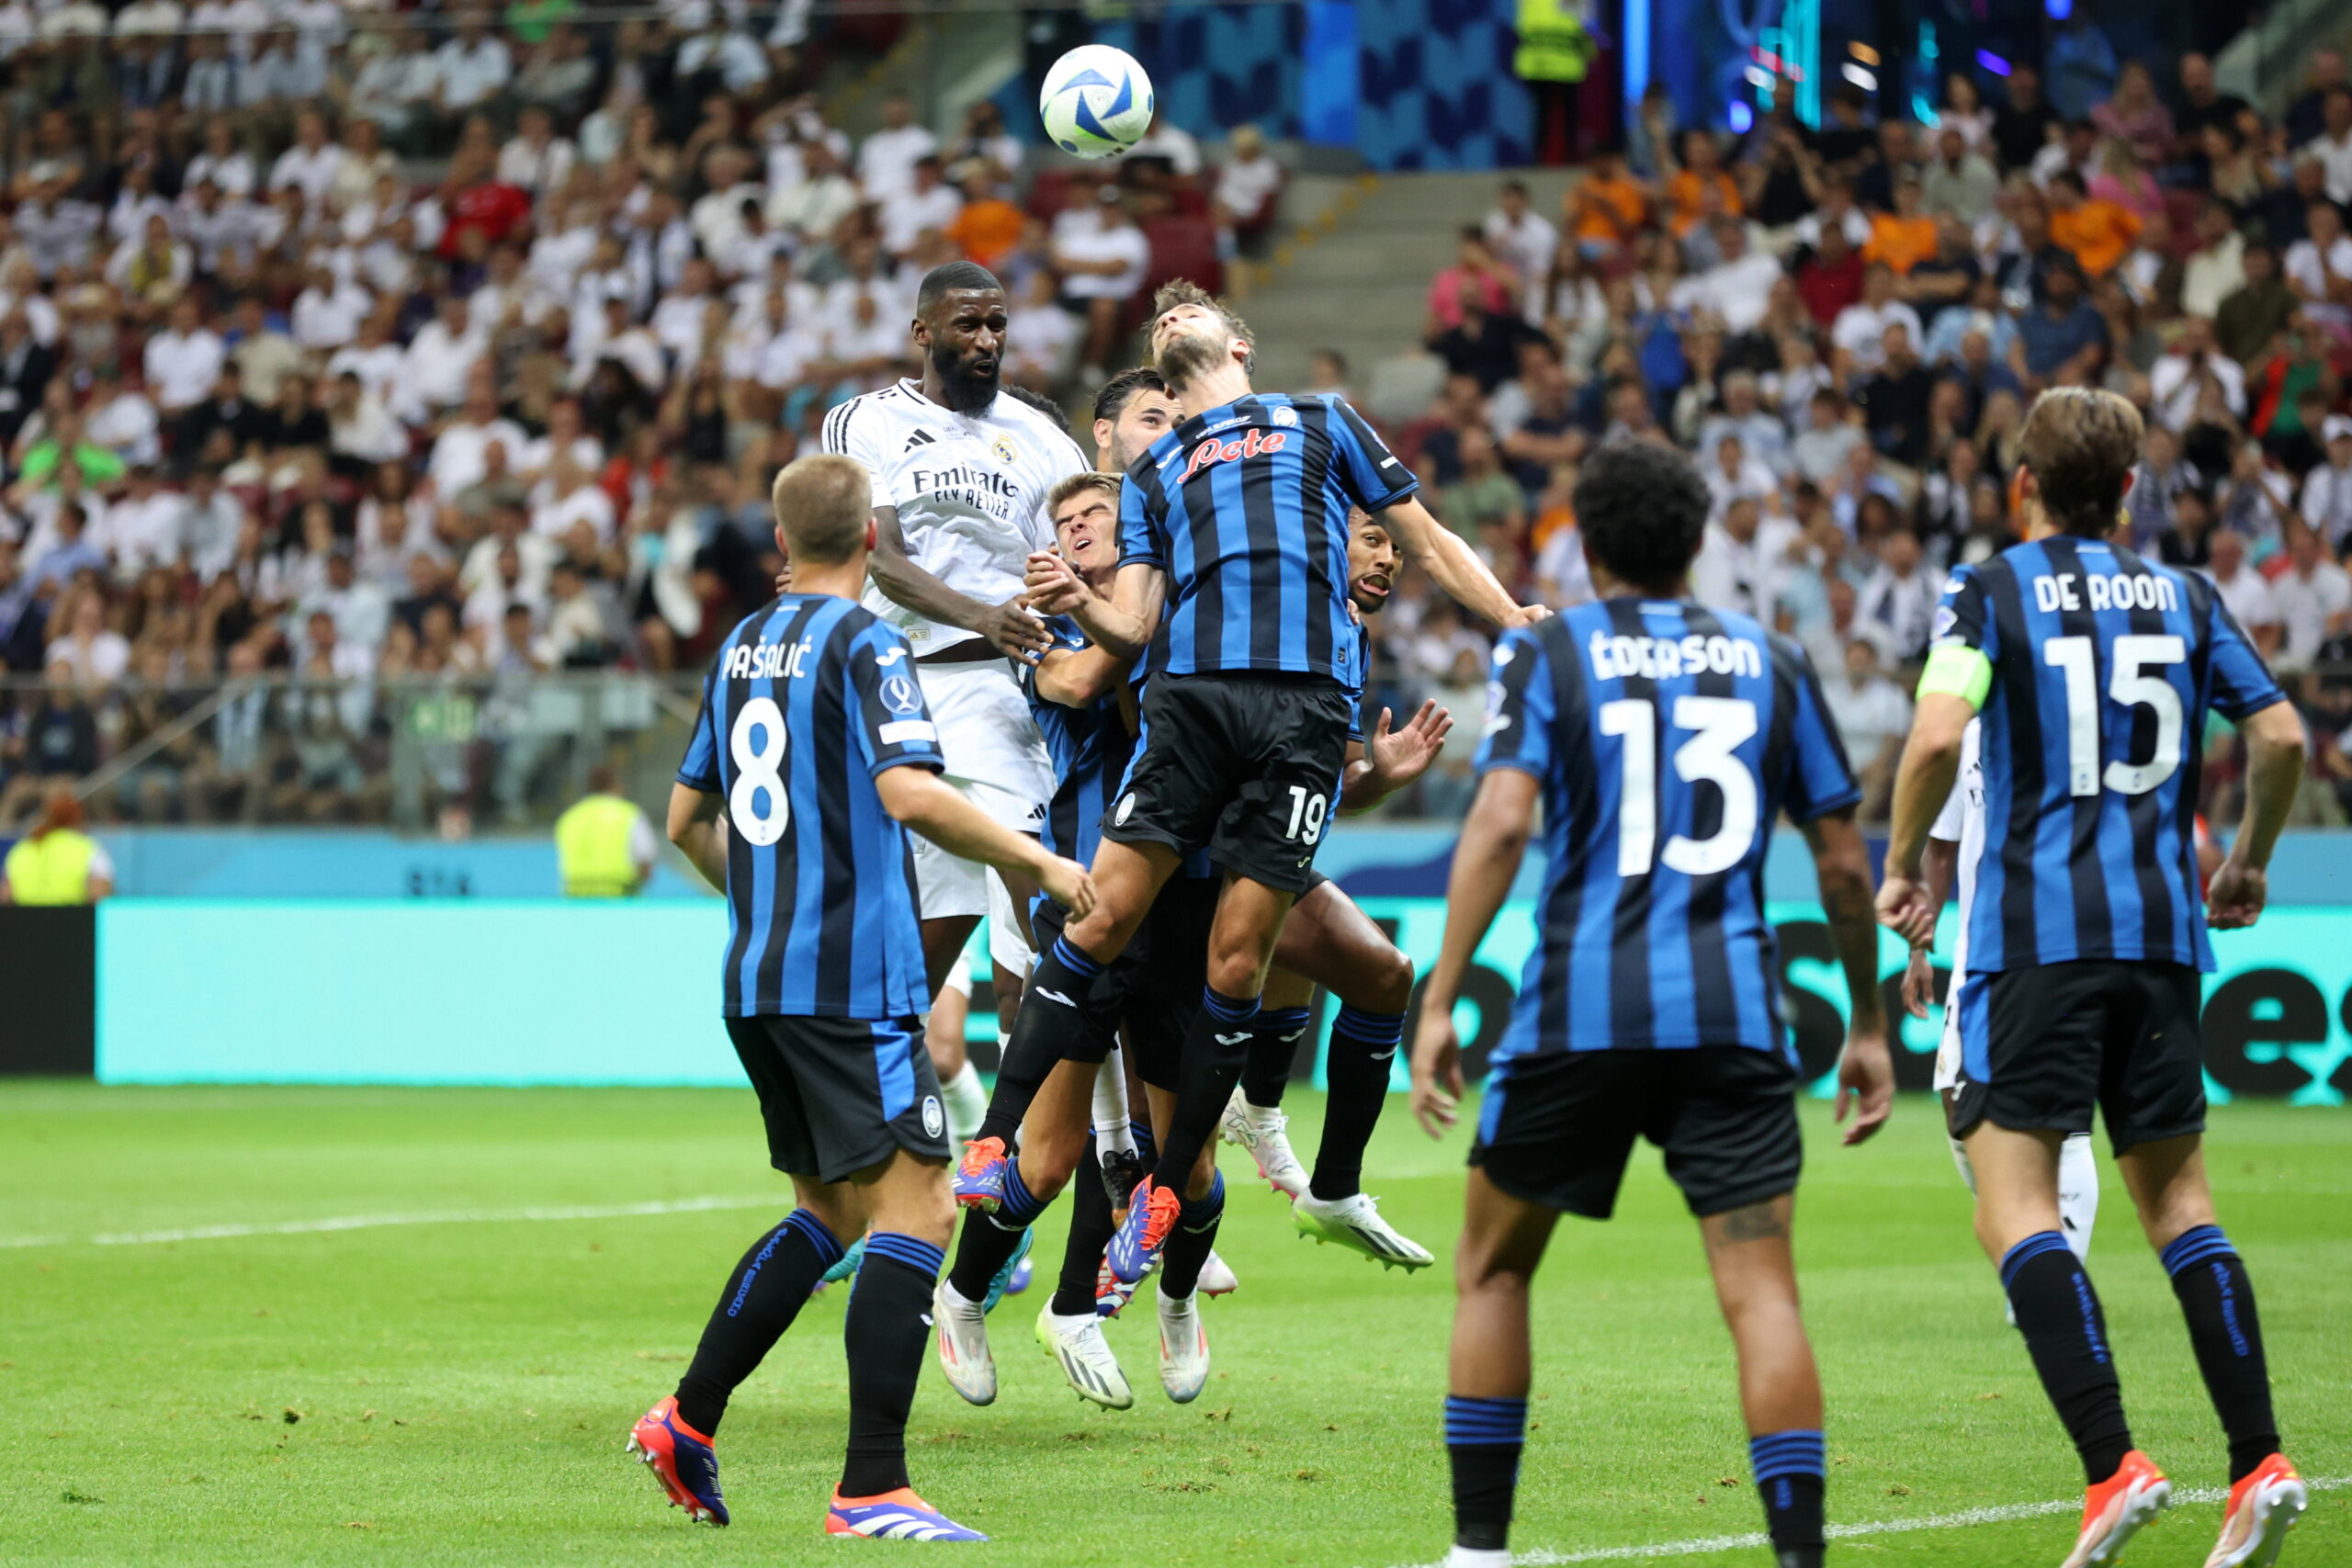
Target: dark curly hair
(1642, 509)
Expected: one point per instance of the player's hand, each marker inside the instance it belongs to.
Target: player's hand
(1528, 614)
(1067, 883)
(784, 580)
(1051, 588)
(1400, 756)
(1015, 631)
(1437, 1071)
(1865, 1086)
(2233, 899)
(1919, 983)
(1903, 907)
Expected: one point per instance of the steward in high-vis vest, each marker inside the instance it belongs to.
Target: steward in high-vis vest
(1554, 43)
(56, 862)
(603, 845)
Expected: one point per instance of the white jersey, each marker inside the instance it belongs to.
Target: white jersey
(1961, 821)
(969, 489)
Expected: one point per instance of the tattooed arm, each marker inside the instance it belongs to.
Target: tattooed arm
(1865, 1073)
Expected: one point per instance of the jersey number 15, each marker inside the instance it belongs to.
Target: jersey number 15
(2130, 685)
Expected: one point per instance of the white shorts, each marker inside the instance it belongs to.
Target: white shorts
(1948, 1048)
(995, 759)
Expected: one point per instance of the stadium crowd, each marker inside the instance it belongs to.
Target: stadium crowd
(1844, 326)
(346, 353)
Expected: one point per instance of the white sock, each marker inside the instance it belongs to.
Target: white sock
(967, 1104)
(1113, 1127)
(1960, 1159)
(2077, 1193)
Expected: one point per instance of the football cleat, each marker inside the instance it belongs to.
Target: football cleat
(2262, 1509)
(963, 1330)
(1111, 1294)
(1135, 1246)
(1355, 1221)
(893, 1515)
(2118, 1508)
(1015, 1268)
(845, 1268)
(681, 1460)
(1472, 1557)
(1183, 1347)
(1122, 1169)
(1217, 1277)
(979, 1175)
(1085, 1355)
(1259, 1130)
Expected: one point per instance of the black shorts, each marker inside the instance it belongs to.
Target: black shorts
(1245, 765)
(1557, 1129)
(1153, 988)
(839, 1094)
(2040, 1047)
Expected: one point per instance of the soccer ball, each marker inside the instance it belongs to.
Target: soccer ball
(1096, 102)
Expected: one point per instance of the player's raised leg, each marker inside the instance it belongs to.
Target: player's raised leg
(1328, 941)
(2169, 1185)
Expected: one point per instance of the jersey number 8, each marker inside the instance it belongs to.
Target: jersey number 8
(759, 770)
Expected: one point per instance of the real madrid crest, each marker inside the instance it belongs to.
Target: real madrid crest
(1005, 451)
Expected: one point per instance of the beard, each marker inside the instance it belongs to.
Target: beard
(961, 388)
(1186, 355)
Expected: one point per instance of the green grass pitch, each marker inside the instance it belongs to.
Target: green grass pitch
(453, 1392)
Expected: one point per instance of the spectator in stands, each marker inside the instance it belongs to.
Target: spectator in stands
(1872, 716)
(2313, 597)
(2244, 591)
(1519, 239)
(2063, 339)
(1102, 268)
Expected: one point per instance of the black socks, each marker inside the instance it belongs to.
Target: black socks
(2216, 1297)
(2059, 1314)
(1272, 1052)
(1483, 1438)
(1790, 1469)
(1190, 1242)
(1051, 1027)
(763, 1295)
(1355, 1071)
(1214, 1048)
(886, 1332)
(989, 1241)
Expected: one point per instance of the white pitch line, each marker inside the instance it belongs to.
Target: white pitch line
(374, 1221)
(2002, 1514)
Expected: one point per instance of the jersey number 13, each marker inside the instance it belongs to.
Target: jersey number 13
(1716, 727)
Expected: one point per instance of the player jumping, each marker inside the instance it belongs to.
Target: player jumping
(1236, 522)
(960, 473)
(1662, 739)
(813, 751)
(2091, 673)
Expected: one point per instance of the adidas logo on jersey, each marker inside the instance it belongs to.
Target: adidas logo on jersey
(921, 438)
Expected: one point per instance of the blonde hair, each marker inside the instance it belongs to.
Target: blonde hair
(823, 504)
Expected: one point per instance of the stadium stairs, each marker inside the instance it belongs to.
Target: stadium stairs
(1352, 271)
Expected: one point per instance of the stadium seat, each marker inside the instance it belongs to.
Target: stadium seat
(1401, 386)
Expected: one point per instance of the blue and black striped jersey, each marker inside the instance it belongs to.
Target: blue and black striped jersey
(2104, 667)
(1666, 739)
(1245, 508)
(807, 702)
(1089, 747)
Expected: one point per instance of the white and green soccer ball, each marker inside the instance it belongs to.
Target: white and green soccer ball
(1096, 102)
